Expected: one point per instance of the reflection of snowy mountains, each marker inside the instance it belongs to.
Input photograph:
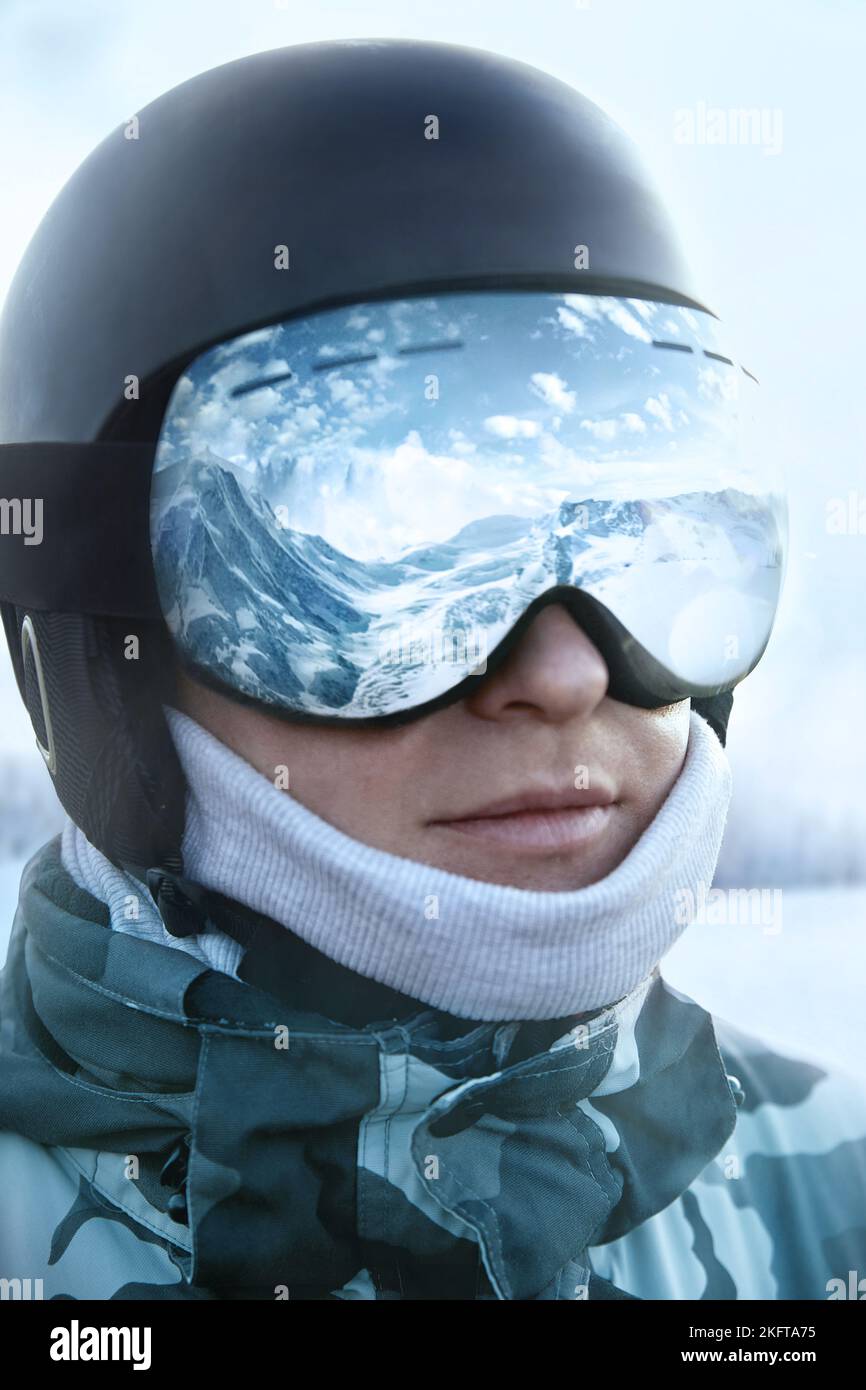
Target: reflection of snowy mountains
(284, 615)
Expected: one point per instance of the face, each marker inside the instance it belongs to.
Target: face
(536, 779)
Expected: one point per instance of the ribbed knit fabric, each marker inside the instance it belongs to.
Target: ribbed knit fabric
(477, 950)
(130, 905)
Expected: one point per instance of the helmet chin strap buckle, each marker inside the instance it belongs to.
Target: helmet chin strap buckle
(30, 644)
(180, 903)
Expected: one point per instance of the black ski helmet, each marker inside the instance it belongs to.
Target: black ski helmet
(384, 167)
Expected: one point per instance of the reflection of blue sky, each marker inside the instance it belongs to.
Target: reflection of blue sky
(544, 397)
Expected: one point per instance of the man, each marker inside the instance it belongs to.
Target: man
(390, 717)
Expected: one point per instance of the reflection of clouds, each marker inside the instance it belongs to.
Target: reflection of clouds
(587, 306)
(600, 429)
(242, 344)
(258, 405)
(547, 396)
(564, 463)
(580, 310)
(620, 315)
(305, 419)
(629, 422)
(275, 366)
(553, 391)
(509, 427)
(715, 385)
(633, 422)
(415, 495)
(660, 409)
(183, 392)
(460, 443)
(250, 429)
(344, 391)
(574, 322)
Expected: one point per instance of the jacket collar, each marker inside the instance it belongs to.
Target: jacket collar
(117, 1045)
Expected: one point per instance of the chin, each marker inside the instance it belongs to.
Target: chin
(551, 877)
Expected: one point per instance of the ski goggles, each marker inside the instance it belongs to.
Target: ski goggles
(355, 514)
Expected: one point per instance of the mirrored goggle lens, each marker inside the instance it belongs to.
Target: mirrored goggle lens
(351, 510)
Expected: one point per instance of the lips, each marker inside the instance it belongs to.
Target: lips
(538, 819)
(539, 800)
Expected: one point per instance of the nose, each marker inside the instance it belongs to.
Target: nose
(553, 673)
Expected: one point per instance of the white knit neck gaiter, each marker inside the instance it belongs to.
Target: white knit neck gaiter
(477, 950)
(474, 949)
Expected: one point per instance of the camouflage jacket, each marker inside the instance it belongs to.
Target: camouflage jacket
(167, 1131)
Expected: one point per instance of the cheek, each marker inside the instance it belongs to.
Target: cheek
(658, 740)
(353, 779)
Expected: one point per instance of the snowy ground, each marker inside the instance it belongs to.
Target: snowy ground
(797, 982)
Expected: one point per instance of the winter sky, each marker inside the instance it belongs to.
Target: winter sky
(770, 206)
